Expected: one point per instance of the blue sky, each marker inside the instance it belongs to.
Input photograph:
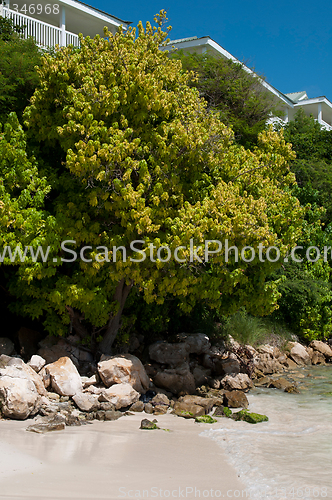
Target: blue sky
(290, 42)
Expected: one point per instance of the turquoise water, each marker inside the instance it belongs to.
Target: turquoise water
(290, 456)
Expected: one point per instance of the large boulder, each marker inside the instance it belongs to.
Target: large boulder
(264, 363)
(196, 343)
(86, 402)
(17, 369)
(235, 399)
(6, 346)
(176, 381)
(120, 395)
(321, 347)
(240, 382)
(36, 363)
(19, 397)
(124, 368)
(298, 353)
(169, 354)
(64, 377)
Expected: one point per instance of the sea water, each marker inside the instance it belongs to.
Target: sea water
(290, 456)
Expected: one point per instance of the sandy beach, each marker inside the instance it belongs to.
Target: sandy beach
(114, 460)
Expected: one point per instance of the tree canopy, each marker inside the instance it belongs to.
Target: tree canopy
(126, 151)
(235, 93)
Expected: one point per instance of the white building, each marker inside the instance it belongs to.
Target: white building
(59, 22)
(319, 107)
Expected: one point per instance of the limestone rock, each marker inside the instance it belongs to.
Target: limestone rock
(206, 403)
(65, 379)
(124, 368)
(148, 408)
(235, 399)
(16, 368)
(37, 363)
(86, 402)
(240, 382)
(54, 423)
(121, 395)
(147, 424)
(160, 410)
(283, 384)
(188, 410)
(298, 353)
(19, 397)
(177, 382)
(169, 354)
(317, 358)
(228, 365)
(160, 399)
(137, 407)
(321, 347)
(196, 343)
(6, 346)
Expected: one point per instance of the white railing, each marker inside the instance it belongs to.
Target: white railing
(325, 125)
(45, 35)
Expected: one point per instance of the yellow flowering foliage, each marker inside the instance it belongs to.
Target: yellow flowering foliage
(142, 159)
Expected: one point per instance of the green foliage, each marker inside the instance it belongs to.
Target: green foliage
(18, 75)
(206, 419)
(305, 304)
(132, 153)
(237, 95)
(8, 29)
(251, 418)
(244, 328)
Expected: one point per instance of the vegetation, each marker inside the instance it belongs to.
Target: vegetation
(18, 76)
(124, 149)
(237, 95)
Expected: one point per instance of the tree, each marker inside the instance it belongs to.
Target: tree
(131, 153)
(239, 96)
(18, 76)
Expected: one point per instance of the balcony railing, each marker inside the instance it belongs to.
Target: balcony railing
(325, 125)
(46, 35)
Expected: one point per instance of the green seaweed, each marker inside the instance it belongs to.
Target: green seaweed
(206, 419)
(251, 418)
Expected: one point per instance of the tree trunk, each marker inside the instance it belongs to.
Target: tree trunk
(76, 318)
(120, 296)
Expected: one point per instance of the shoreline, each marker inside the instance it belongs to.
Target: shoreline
(114, 460)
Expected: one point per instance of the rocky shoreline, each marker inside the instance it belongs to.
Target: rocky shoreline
(61, 385)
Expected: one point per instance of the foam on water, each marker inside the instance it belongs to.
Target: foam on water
(290, 456)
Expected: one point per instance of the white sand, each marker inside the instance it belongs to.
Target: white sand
(114, 460)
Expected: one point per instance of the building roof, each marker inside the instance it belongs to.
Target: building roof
(297, 96)
(103, 12)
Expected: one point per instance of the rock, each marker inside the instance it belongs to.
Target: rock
(317, 358)
(283, 384)
(160, 410)
(148, 425)
(169, 354)
(298, 353)
(36, 363)
(266, 349)
(201, 375)
(112, 415)
(16, 368)
(124, 368)
(235, 399)
(228, 366)
(261, 382)
(19, 397)
(121, 395)
(148, 408)
(319, 346)
(182, 382)
(65, 379)
(206, 403)
(197, 343)
(28, 340)
(205, 419)
(137, 407)
(251, 418)
(222, 411)
(6, 346)
(106, 406)
(4, 360)
(240, 382)
(160, 399)
(188, 410)
(86, 402)
(267, 365)
(87, 381)
(56, 352)
(291, 364)
(56, 423)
